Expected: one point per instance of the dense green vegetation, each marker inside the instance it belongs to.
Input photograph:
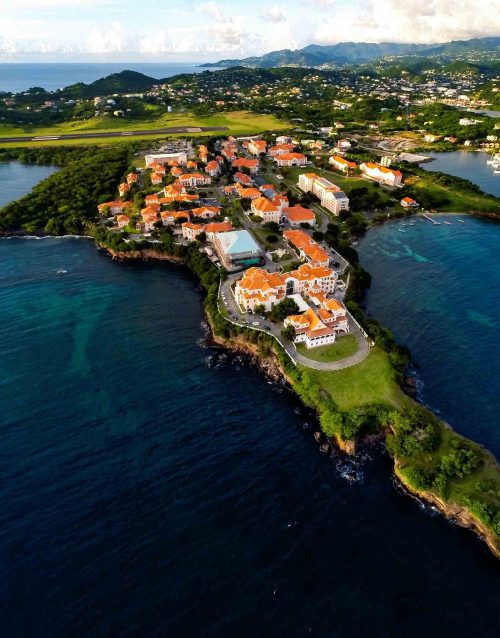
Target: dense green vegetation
(66, 201)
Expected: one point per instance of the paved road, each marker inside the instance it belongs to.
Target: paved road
(104, 134)
(248, 321)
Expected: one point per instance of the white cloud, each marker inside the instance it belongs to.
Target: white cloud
(273, 14)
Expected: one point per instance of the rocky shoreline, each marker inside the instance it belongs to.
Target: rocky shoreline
(272, 368)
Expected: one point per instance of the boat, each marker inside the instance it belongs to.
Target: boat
(497, 172)
(461, 221)
(448, 223)
(400, 230)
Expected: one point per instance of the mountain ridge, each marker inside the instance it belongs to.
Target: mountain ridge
(356, 52)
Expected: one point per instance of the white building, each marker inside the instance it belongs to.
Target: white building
(165, 158)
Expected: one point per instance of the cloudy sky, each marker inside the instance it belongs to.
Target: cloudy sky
(206, 30)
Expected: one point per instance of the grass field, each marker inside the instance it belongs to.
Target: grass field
(342, 348)
(460, 201)
(345, 183)
(371, 381)
(237, 123)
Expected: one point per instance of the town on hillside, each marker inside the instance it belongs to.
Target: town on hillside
(259, 210)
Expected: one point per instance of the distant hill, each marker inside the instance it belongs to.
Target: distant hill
(123, 82)
(358, 52)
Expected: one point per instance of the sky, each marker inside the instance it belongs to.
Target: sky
(207, 30)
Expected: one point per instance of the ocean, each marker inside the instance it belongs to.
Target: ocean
(154, 486)
(438, 289)
(468, 165)
(18, 179)
(17, 77)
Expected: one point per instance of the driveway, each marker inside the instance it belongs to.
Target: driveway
(227, 300)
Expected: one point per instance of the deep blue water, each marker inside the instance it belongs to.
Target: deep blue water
(17, 179)
(438, 289)
(20, 76)
(468, 165)
(145, 493)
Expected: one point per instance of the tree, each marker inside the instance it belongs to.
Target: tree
(272, 227)
(284, 308)
(260, 309)
(288, 332)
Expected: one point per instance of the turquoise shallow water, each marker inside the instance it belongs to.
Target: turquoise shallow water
(438, 289)
(151, 487)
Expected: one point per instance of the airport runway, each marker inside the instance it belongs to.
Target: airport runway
(105, 134)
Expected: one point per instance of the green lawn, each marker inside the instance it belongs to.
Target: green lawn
(461, 201)
(237, 122)
(371, 381)
(345, 183)
(342, 348)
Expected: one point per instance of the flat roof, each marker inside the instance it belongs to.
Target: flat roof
(238, 241)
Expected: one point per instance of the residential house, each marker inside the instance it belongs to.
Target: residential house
(212, 168)
(382, 174)
(341, 164)
(297, 215)
(115, 208)
(256, 147)
(191, 231)
(217, 227)
(149, 219)
(123, 189)
(280, 149)
(251, 164)
(310, 329)
(263, 208)
(193, 180)
(243, 179)
(156, 179)
(171, 217)
(132, 179)
(408, 202)
(290, 159)
(122, 220)
(206, 212)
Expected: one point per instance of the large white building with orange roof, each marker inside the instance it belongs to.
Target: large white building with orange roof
(297, 215)
(258, 286)
(382, 174)
(342, 164)
(263, 208)
(217, 227)
(280, 149)
(212, 168)
(307, 248)
(206, 212)
(256, 147)
(251, 164)
(330, 195)
(290, 159)
(311, 329)
(193, 180)
(165, 158)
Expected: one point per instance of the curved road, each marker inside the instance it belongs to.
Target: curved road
(267, 326)
(104, 134)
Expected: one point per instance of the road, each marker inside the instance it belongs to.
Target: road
(248, 321)
(105, 134)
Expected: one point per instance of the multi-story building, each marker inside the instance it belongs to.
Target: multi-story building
(165, 158)
(329, 194)
(256, 147)
(382, 174)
